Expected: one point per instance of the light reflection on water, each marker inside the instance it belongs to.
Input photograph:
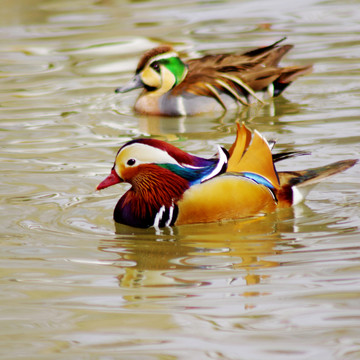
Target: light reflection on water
(284, 286)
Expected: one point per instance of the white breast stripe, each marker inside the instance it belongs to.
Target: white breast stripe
(171, 213)
(159, 216)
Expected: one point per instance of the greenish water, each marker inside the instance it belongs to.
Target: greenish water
(282, 287)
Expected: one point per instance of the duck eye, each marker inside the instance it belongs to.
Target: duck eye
(156, 66)
(131, 162)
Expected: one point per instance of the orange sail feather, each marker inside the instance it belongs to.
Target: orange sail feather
(252, 155)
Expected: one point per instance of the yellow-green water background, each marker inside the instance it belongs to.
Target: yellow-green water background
(283, 287)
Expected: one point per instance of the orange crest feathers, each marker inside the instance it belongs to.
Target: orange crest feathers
(251, 153)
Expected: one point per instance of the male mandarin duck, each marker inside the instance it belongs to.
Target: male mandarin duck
(172, 87)
(173, 187)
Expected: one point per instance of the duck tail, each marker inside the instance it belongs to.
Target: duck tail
(295, 185)
(287, 155)
(273, 53)
(288, 75)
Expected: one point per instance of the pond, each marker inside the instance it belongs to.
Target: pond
(284, 286)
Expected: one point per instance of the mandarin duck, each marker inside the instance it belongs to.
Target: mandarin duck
(172, 187)
(172, 87)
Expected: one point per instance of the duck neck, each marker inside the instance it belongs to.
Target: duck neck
(152, 192)
(172, 74)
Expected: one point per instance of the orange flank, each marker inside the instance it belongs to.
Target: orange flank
(225, 197)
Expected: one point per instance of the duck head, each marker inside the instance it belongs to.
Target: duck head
(159, 174)
(158, 71)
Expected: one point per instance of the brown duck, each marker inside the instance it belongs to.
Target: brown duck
(173, 87)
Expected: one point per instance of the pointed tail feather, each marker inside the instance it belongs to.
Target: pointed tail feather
(287, 155)
(288, 75)
(273, 53)
(295, 185)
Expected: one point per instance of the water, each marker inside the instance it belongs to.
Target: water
(282, 287)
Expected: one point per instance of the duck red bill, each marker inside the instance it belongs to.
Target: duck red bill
(112, 179)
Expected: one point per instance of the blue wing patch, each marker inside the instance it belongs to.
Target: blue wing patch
(258, 179)
(198, 174)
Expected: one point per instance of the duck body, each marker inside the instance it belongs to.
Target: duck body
(181, 105)
(228, 196)
(172, 87)
(171, 187)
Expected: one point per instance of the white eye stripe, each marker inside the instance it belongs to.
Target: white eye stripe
(145, 154)
(163, 56)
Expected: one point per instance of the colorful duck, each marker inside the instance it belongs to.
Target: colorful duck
(172, 87)
(173, 187)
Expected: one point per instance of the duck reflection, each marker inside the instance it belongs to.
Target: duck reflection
(189, 260)
(170, 128)
(177, 256)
